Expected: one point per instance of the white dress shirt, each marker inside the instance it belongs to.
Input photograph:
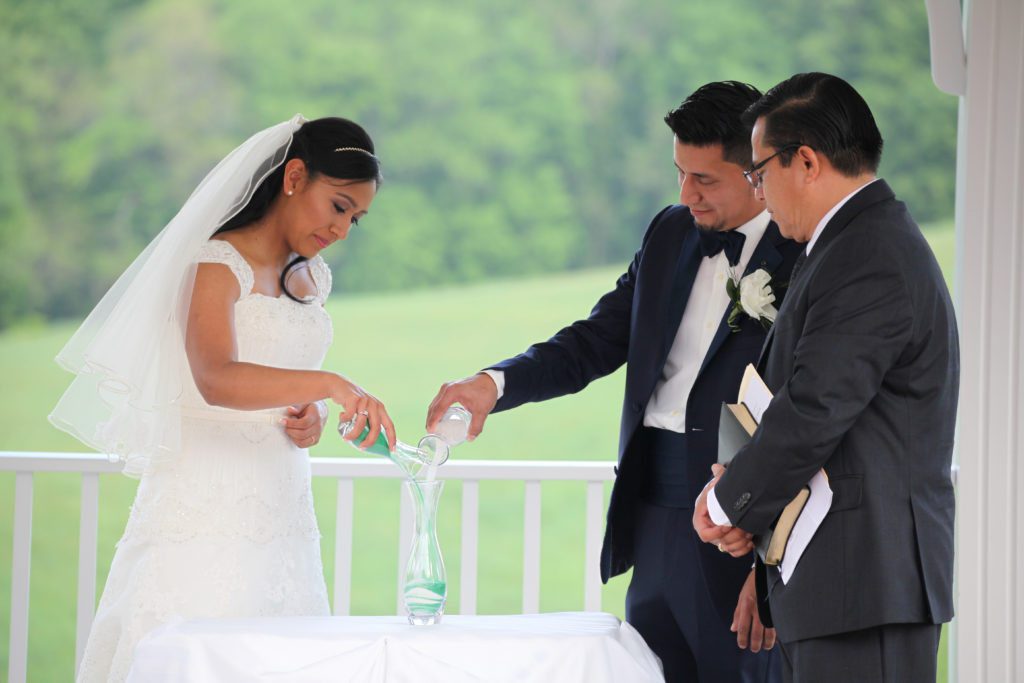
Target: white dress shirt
(705, 307)
(715, 510)
(704, 310)
(832, 212)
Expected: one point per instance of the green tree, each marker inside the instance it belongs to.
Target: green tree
(516, 136)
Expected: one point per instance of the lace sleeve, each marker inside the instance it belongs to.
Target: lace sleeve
(322, 278)
(219, 251)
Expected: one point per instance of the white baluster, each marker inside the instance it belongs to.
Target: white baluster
(20, 571)
(88, 525)
(406, 521)
(531, 549)
(592, 554)
(470, 535)
(343, 548)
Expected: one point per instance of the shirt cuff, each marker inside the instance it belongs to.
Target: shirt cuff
(499, 380)
(715, 510)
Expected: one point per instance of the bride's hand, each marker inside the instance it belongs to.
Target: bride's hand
(367, 409)
(305, 424)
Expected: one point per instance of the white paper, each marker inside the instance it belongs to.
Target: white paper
(807, 523)
(754, 394)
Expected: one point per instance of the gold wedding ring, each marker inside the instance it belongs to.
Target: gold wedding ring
(720, 548)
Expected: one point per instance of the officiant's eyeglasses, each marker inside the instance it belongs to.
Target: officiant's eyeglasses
(755, 177)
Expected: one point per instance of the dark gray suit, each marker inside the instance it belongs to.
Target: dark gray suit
(864, 364)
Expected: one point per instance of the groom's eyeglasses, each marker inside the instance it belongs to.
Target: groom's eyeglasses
(755, 176)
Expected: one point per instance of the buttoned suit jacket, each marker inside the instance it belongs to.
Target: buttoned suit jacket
(636, 324)
(863, 362)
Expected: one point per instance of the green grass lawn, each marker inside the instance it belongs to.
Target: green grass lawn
(401, 347)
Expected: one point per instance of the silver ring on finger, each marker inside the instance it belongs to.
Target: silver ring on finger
(364, 413)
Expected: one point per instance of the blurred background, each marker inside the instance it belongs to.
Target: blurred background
(524, 152)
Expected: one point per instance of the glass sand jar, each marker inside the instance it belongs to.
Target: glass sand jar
(432, 450)
(425, 587)
(409, 458)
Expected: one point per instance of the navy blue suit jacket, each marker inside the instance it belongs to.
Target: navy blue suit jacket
(635, 324)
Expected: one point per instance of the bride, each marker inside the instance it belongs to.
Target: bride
(199, 369)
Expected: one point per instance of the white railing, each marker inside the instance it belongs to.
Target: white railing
(345, 471)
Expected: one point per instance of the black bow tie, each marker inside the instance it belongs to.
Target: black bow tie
(714, 241)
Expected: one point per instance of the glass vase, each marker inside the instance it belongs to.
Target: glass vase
(425, 588)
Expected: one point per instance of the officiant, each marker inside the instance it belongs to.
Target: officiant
(675, 319)
(863, 362)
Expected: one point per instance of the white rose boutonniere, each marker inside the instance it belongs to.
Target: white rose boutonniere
(751, 296)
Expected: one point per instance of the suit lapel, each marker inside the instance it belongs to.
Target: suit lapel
(764, 349)
(876, 192)
(682, 282)
(765, 256)
(793, 286)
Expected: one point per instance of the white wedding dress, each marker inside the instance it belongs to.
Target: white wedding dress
(225, 527)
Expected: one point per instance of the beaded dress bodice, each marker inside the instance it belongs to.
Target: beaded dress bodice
(278, 332)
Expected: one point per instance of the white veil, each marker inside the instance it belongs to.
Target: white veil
(128, 356)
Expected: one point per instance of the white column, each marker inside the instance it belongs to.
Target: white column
(988, 631)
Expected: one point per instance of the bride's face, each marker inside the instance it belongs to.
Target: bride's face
(322, 210)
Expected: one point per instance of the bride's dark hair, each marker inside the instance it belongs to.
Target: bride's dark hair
(315, 144)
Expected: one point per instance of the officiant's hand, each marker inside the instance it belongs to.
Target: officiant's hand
(477, 394)
(728, 539)
(746, 622)
(305, 424)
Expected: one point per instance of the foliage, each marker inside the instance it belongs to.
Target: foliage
(517, 137)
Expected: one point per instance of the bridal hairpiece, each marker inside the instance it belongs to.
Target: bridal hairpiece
(355, 149)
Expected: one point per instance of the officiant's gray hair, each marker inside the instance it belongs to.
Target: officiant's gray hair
(713, 115)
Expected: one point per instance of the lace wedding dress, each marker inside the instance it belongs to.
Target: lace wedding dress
(225, 528)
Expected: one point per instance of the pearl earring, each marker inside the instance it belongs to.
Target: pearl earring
(290, 193)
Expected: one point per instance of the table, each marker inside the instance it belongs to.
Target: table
(594, 647)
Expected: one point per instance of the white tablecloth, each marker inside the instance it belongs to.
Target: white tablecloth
(570, 646)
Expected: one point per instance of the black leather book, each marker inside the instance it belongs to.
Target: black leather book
(735, 429)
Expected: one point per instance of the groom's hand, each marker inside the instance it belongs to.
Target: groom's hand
(477, 394)
(746, 623)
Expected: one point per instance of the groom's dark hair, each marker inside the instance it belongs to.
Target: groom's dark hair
(825, 113)
(713, 115)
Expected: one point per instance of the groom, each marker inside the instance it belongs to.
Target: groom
(668, 320)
